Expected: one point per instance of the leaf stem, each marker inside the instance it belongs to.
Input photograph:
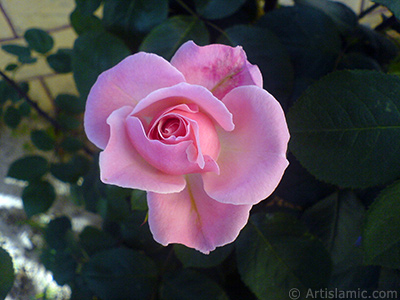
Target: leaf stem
(367, 11)
(32, 103)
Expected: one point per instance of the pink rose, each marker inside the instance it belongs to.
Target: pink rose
(199, 134)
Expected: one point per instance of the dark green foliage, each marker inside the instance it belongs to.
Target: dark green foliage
(217, 9)
(192, 258)
(276, 253)
(39, 40)
(345, 127)
(120, 273)
(6, 273)
(38, 197)
(28, 168)
(190, 285)
(166, 38)
(42, 140)
(93, 53)
(60, 61)
(72, 170)
(381, 235)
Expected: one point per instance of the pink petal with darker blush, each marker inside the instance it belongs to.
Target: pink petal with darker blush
(194, 219)
(125, 84)
(121, 164)
(219, 68)
(252, 159)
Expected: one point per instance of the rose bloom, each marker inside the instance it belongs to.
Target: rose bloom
(199, 134)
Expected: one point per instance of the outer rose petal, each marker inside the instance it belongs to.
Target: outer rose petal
(219, 68)
(194, 219)
(120, 164)
(252, 159)
(125, 84)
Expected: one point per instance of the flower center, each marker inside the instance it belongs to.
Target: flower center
(170, 127)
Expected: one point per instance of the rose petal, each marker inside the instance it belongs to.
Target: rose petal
(121, 164)
(194, 219)
(252, 159)
(184, 93)
(219, 68)
(169, 158)
(125, 84)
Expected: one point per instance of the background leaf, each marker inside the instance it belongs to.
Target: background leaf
(6, 273)
(190, 285)
(381, 236)
(28, 168)
(276, 254)
(265, 50)
(195, 259)
(38, 197)
(42, 140)
(132, 16)
(93, 53)
(39, 40)
(217, 9)
(310, 36)
(166, 38)
(12, 117)
(120, 273)
(60, 61)
(345, 129)
(342, 15)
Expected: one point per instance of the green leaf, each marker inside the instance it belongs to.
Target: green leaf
(166, 38)
(20, 51)
(138, 200)
(190, 285)
(310, 36)
(56, 233)
(11, 67)
(136, 233)
(38, 197)
(265, 50)
(70, 104)
(342, 15)
(60, 62)
(276, 254)
(67, 121)
(39, 40)
(24, 109)
(93, 53)
(42, 140)
(135, 15)
(195, 259)
(381, 235)
(87, 7)
(337, 220)
(28, 168)
(72, 170)
(6, 273)
(393, 6)
(120, 273)
(62, 265)
(346, 128)
(82, 22)
(4, 91)
(71, 144)
(217, 9)
(358, 61)
(12, 117)
(94, 240)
